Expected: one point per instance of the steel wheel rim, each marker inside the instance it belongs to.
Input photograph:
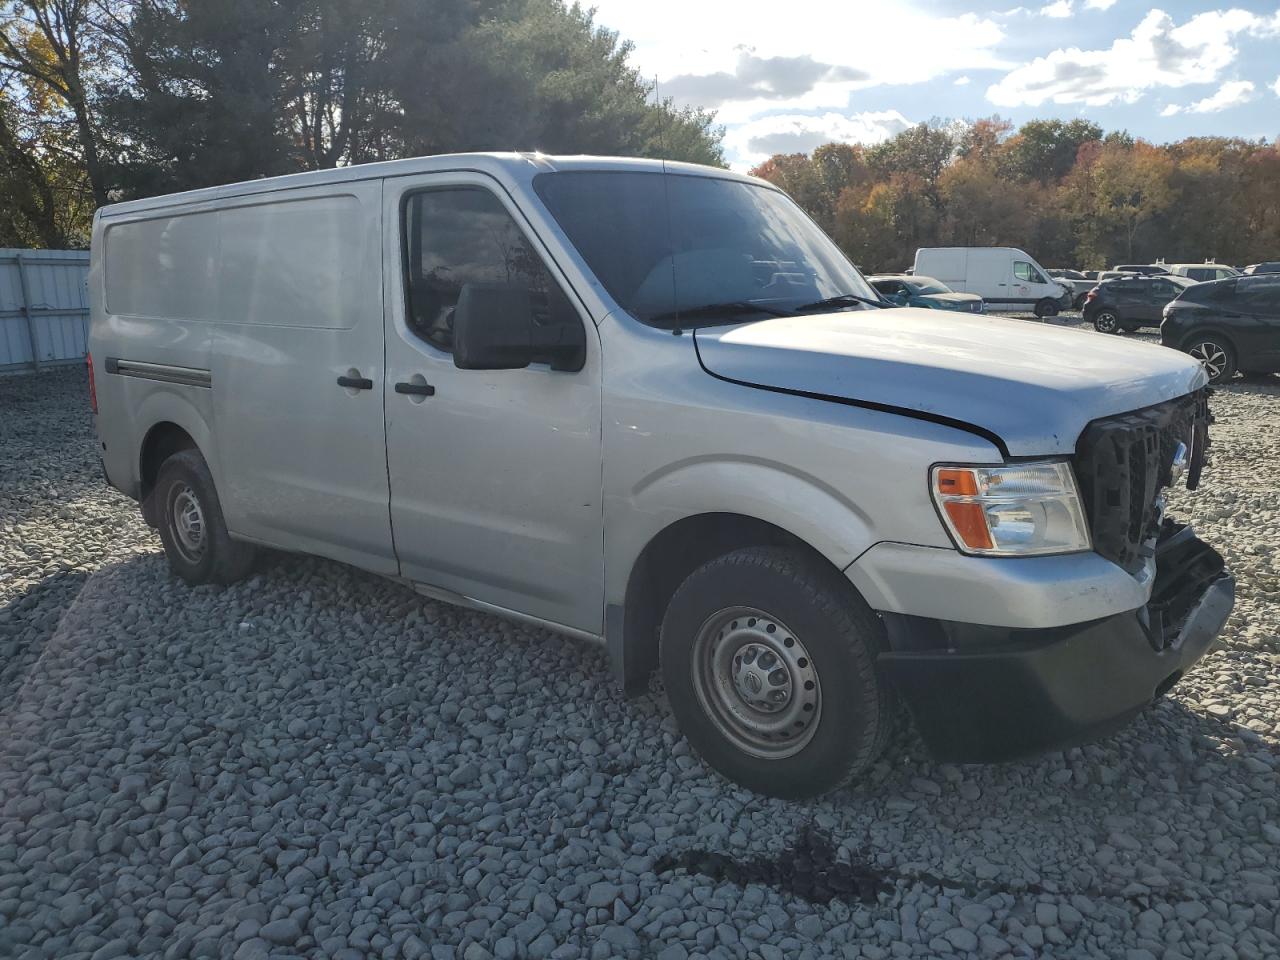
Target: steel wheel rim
(756, 682)
(1212, 356)
(187, 521)
(1107, 323)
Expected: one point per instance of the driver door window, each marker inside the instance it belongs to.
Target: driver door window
(462, 235)
(1026, 273)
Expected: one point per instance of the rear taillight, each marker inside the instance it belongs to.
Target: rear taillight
(93, 389)
(1092, 294)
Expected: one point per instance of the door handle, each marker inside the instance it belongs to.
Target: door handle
(416, 389)
(356, 383)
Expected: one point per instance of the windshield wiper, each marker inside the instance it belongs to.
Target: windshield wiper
(729, 308)
(842, 300)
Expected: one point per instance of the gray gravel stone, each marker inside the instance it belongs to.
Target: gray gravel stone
(320, 762)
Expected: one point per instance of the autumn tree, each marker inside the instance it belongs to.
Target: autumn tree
(1131, 185)
(1067, 192)
(55, 47)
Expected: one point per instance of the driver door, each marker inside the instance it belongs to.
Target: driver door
(494, 474)
(1024, 275)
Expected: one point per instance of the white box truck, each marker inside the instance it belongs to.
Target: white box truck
(1005, 277)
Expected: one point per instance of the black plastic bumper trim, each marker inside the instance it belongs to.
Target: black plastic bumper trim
(1030, 691)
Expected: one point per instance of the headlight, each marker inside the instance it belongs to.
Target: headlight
(1021, 509)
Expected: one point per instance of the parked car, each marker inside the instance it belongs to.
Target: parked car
(1005, 277)
(1090, 274)
(1077, 283)
(1146, 269)
(652, 406)
(1202, 272)
(1229, 325)
(916, 291)
(1131, 302)
(1271, 266)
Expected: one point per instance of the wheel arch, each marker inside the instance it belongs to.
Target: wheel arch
(162, 441)
(662, 565)
(173, 425)
(1209, 330)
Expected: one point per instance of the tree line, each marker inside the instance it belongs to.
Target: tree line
(1065, 192)
(107, 100)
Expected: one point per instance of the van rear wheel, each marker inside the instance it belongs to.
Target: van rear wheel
(768, 659)
(192, 530)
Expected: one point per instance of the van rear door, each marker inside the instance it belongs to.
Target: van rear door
(297, 372)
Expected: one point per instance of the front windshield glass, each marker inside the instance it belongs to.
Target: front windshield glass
(678, 250)
(926, 285)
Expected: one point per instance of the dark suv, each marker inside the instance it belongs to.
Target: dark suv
(1228, 325)
(1128, 303)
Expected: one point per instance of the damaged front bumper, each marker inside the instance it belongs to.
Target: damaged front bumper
(982, 694)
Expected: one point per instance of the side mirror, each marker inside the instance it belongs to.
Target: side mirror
(496, 327)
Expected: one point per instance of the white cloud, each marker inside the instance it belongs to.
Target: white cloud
(965, 81)
(1276, 86)
(759, 139)
(1099, 4)
(1159, 53)
(1230, 94)
(1059, 9)
(860, 45)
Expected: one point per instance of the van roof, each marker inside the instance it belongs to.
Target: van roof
(517, 166)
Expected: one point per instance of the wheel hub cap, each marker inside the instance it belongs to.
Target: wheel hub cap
(756, 682)
(1211, 355)
(188, 522)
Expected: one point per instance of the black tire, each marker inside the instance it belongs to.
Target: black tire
(832, 625)
(1107, 321)
(185, 485)
(1216, 353)
(1047, 308)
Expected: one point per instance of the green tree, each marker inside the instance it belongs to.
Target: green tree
(224, 90)
(922, 151)
(1045, 150)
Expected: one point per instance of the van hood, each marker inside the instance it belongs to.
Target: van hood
(1035, 387)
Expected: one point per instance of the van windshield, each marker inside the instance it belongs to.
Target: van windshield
(684, 250)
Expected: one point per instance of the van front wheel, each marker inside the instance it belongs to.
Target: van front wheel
(1047, 308)
(768, 659)
(192, 530)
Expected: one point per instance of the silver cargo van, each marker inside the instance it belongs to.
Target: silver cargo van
(653, 406)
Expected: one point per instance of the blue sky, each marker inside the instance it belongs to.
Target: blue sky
(786, 76)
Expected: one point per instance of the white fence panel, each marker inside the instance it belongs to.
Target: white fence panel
(44, 307)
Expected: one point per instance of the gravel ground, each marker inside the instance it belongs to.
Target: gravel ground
(320, 763)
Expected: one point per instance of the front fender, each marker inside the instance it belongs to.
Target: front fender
(774, 493)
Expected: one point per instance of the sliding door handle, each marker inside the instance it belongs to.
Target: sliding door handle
(355, 383)
(416, 389)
